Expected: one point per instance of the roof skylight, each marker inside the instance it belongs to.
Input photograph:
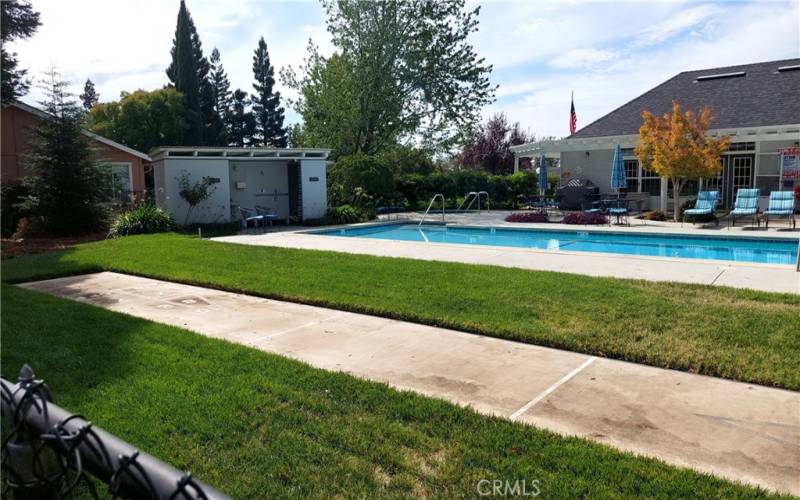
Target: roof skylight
(720, 76)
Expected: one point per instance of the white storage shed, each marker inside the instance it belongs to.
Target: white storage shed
(290, 183)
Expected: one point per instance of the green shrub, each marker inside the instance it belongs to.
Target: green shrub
(504, 190)
(356, 178)
(10, 197)
(345, 214)
(144, 219)
(403, 160)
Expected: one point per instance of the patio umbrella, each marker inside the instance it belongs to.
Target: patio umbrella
(542, 175)
(618, 178)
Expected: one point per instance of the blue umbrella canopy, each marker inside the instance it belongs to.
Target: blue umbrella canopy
(618, 178)
(543, 185)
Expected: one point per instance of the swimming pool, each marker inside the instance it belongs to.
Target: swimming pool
(759, 250)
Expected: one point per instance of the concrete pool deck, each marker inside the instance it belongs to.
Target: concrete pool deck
(739, 431)
(765, 277)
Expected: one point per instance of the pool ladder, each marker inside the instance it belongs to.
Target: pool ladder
(430, 205)
(471, 197)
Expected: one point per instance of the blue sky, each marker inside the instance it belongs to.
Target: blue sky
(607, 52)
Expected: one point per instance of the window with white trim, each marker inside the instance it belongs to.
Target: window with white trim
(120, 182)
(651, 182)
(632, 175)
(769, 171)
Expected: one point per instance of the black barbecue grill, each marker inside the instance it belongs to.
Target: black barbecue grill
(577, 194)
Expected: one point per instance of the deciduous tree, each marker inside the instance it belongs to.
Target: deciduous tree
(403, 69)
(676, 146)
(489, 148)
(142, 120)
(18, 21)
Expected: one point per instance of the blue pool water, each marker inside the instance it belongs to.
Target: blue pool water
(762, 250)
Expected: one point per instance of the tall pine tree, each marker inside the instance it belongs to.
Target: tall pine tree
(68, 187)
(183, 72)
(90, 96)
(220, 96)
(19, 21)
(266, 102)
(241, 123)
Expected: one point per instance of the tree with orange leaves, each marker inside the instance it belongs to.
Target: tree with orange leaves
(676, 146)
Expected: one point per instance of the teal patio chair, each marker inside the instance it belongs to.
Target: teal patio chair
(746, 204)
(706, 204)
(249, 215)
(781, 204)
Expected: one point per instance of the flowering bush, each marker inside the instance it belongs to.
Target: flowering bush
(584, 218)
(527, 217)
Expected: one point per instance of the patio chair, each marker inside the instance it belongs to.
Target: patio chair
(266, 212)
(706, 204)
(746, 204)
(619, 209)
(781, 204)
(250, 215)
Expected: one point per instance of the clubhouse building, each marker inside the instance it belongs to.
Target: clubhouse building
(758, 105)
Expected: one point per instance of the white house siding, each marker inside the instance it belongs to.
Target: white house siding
(313, 188)
(167, 174)
(260, 183)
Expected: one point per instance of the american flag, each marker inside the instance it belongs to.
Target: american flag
(573, 118)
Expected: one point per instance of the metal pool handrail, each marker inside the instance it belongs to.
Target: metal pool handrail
(433, 200)
(472, 196)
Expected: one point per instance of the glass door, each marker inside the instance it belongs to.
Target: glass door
(741, 175)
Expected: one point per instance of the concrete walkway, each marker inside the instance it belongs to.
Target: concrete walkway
(739, 431)
(766, 277)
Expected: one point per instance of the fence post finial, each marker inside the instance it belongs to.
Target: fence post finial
(26, 375)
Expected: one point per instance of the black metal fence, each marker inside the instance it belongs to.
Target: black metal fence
(48, 452)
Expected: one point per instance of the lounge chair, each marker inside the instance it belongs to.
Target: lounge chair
(706, 204)
(250, 215)
(781, 204)
(746, 204)
(266, 212)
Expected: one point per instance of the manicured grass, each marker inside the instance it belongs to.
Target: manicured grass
(255, 425)
(745, 335)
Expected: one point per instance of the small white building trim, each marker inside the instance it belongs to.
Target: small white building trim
(290, 183)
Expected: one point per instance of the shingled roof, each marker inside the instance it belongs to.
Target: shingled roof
(762, 96)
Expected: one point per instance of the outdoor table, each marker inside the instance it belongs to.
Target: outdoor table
(625, 203)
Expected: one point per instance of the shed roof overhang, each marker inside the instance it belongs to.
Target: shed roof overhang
(163, 152)
(774, 133)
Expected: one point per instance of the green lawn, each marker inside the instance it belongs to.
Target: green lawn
(745, 335)
(254, 424)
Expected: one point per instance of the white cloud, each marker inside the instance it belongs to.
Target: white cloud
(675, 24)
(580, 58)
